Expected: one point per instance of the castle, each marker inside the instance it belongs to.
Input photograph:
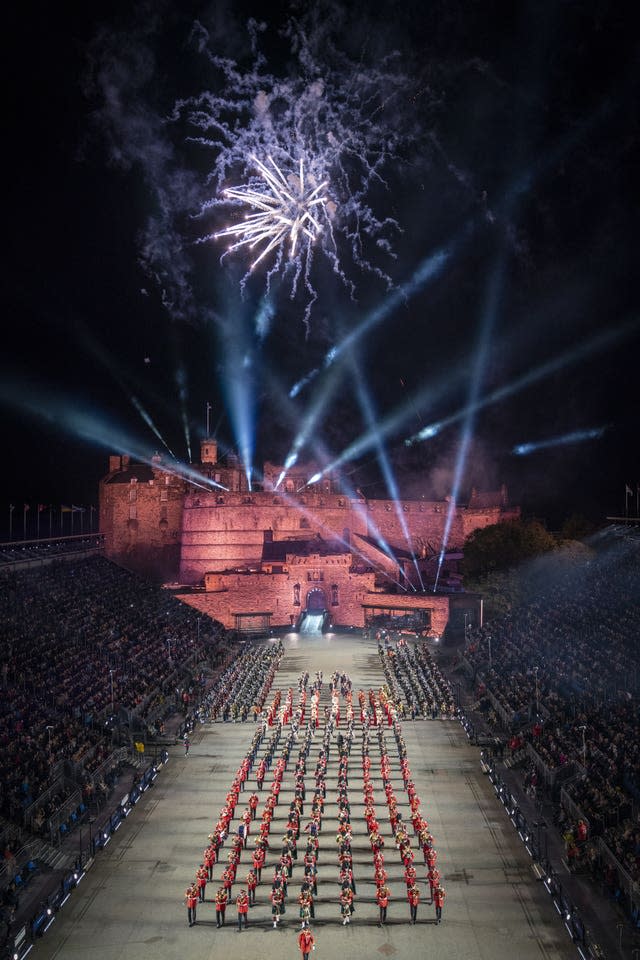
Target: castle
(286, 551)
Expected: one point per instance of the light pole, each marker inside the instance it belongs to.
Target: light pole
(584, 745)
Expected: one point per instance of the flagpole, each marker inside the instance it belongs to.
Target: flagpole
(11, 509)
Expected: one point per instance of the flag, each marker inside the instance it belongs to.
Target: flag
(26, 507)
(77, 509)
(12, 507)
(628, 490)
(41, 507)
(65, 509)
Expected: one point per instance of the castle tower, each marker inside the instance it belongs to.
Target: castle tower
(208, 451)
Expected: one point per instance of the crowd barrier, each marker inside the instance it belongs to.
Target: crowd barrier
(628, 887)
(533, 836)
(101, 830)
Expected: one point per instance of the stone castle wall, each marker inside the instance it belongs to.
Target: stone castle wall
(162, 526)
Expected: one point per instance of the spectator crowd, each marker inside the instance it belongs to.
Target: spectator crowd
(562, 668)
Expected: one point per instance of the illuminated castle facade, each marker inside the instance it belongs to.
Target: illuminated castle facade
(265, 557)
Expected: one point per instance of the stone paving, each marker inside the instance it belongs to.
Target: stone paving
(130, 904)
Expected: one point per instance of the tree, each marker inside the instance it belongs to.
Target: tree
(577, 527)
(504, 545)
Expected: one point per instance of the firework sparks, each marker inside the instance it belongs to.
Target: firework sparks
(307, 156)
(288, 210)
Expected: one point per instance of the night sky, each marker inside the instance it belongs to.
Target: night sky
(517, 156)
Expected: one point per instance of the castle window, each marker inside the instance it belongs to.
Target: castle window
(296, 594)
(334, 595)
(219, 500)
(133, 494)
(163, 513)
(304, 523)
(406, 508)
(164, 495)
(133, 513)
(341, 502)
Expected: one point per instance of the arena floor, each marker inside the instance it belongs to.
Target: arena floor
(130, 904)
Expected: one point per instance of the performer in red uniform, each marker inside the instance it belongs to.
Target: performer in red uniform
(191, 901)
(201, 880)
(438, 899)
(306, 942)
(258, 860)
(382, 896)
(209, 857)
(242, 906)
(413, 895)
(221, 906)
(252, 883)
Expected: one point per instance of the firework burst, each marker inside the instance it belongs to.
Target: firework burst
(289, 212)
(305, 154)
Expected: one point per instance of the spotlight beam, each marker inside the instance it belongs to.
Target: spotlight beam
(394, 421)
(481, 355)
(576, 436)
(74, 418)
(366, 405)
(601, 341)
(149, 421)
